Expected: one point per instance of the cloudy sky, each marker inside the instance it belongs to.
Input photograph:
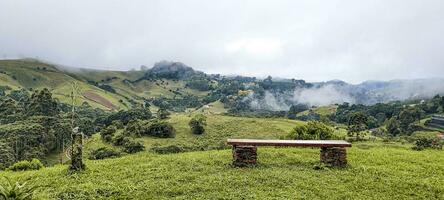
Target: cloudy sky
(308, 39)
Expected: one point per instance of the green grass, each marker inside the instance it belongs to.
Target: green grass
(376, 171)
(322, 110)
(220, 128)
(30, 74)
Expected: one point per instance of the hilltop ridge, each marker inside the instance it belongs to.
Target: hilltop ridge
(169, 82)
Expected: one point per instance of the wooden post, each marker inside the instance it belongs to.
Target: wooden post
(76, 151)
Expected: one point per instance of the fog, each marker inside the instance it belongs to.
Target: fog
(312, 40)
(367, 93)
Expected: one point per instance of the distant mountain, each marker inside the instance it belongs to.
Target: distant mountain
(371, 92)
(171, 70)
(174, 81)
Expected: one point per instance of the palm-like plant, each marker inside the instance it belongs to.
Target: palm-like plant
(15, 191)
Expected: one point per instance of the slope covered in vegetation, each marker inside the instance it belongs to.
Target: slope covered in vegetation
(376, 171)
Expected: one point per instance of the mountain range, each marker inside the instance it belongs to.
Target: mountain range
(114, 90)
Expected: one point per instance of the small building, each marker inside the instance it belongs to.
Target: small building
(437, 121)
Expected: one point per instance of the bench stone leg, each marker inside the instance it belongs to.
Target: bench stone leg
(244, 155)
(334, 156)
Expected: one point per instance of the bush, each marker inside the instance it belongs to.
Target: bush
(313, 130)
(197, 124)
(427, 143)
(133, 146)
(25, 165)
(16, 191)
(160, 129)
(167, 149)
(102, 153)
(120, 140)
(163, 113)
(108, 133)
(134, 127)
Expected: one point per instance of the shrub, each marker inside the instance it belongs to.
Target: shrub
(427, 143)
(167, 149)
(15, 191)
(313, 130)
(102, 153)
(133, 146)
(108, 133)
(120, 140)
(160, 129)
(197, 124)
(134, 127)
(25, 165)
(163, 113)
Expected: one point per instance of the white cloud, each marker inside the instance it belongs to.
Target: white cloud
(255, 46)
(310, 39)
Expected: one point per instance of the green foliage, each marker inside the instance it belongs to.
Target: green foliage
(313, 130)
(126, 116)
(108, 133)
(163, 113)
(167, 149)
(42, 103)
(102, 153)
(197, 124)
(356, 124)
(135, 128)
(15, 191)
(425, 140)
(295, 109)
(407, 117)
(199, 84)
(133, 146)
(6, 154)
(155, 128)
(393, 127)
(120, 140)
(33, 138)
(24, 165)
(159, 129)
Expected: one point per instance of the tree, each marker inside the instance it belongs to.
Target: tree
(197, 124)
(393, 127)
(407, 117)
(42, 103)
(108, 133)
(295, 109)
(357, 123)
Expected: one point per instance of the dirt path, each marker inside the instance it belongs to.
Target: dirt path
(90, 95)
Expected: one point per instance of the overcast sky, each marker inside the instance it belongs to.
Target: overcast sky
(353, 40)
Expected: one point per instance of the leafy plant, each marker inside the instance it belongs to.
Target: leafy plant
(197, 124)
(427, 143)
(15, 191)
(24, 165)
(133, 146)
(313, 130)
(102, 153)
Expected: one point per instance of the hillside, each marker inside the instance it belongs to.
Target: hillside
(376, 171)
(109, 90)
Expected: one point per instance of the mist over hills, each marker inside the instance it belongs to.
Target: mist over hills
(173, 81)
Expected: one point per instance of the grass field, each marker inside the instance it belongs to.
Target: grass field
(219, 128)
(376, 171)
(322, 110)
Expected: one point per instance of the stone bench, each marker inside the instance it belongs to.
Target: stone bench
(332, 151)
